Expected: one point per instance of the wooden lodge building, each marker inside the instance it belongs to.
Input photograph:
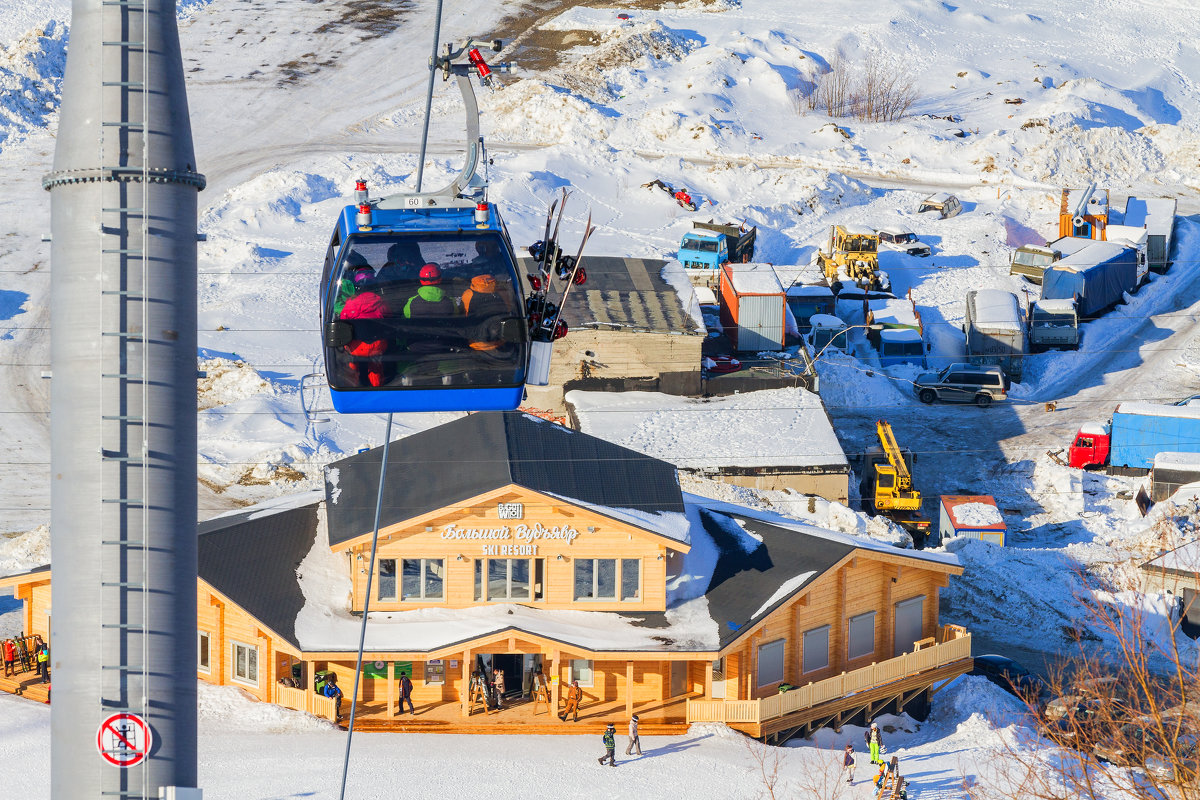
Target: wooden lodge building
(512, 543)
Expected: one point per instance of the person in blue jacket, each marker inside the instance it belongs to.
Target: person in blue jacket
(331, 690)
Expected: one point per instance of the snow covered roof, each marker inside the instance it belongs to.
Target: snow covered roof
(1157, 410)
(1070, 244)
(1185, 559)
(1134, 235)
(1181, 461)
(893, 312)
(753, 279)
(900, 335)
(489, 450)
(630, 294)
(1092, 201)
(826, 321)
(1094, 429)
(1155, 214)
(996, 307)
(815, 290)
(778, 427)
(1056, 306)
(894, 230)
(973, 512)
(1091, 256)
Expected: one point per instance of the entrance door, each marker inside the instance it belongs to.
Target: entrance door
(679, 671)
(531, 663)
(909, 624)
(511, 665)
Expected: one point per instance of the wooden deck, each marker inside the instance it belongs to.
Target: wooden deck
(518, 716)
(26, 684)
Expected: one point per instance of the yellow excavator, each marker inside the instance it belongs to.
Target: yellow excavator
(853, 255)
(892, 492)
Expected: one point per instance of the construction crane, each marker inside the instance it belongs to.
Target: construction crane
(891, 487)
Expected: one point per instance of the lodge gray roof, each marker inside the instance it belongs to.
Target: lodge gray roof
(480, 452)
(742, 582)
(624, 294)
(251, 558)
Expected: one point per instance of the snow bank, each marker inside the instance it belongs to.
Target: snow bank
(23, 551)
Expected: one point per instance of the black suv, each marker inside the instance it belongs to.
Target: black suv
(963, 383)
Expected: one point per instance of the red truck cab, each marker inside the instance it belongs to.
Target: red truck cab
(1090, 446)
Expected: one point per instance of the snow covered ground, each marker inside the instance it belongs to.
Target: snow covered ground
(291, 101)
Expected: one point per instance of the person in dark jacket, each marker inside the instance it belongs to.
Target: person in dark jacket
(332, 690)
(430, 300)
(848, 763)
(43, 662)
(610, 746)
(406, 694)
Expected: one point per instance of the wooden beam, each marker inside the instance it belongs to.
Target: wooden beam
(555, 680)
(464, 690)
(628, 688)
(708, 679)
(389, 674)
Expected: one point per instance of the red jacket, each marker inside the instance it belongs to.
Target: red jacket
(9, 654)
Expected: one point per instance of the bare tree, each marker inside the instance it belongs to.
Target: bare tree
(1125, 722)
(873, 92)
(769, 760)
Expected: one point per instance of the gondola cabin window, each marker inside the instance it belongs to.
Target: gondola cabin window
(423, 579)
(245, 663)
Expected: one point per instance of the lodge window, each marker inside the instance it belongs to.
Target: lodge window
(861, 636)
(816, 649)
(422, 579)
(631, 579)
(770, 663)
(581, 670)
(596, 578)
(509, 579)
(387, 579)
(245, 663)
(202, 657)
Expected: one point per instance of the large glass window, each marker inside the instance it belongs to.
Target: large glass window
(387, 579)
(423, 311)
(245, 663)
(595, 579)
(422, 579)
(631, 579)
(507, 579)
(581, 670)
(203, 662)
(770, 663)
(861, 639)
(816, 649)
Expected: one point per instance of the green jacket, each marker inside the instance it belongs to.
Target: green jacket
(430, 294)
(610, 739)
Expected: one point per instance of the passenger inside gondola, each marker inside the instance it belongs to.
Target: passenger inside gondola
(443, 310)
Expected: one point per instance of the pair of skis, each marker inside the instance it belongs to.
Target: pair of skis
(545, 317)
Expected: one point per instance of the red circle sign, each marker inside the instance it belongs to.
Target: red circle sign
(124, 740)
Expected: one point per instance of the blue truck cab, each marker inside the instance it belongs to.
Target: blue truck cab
(709, 245)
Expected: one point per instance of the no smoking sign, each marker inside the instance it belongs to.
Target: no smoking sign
(124, 740)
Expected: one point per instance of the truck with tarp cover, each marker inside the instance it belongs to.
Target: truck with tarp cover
(1096, 277)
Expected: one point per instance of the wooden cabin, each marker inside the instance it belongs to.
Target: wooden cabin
(512, 544)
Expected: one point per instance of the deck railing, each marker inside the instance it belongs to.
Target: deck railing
(303, 700)
(956, 646)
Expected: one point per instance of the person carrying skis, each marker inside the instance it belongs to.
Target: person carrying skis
(874, 739)
(848, 763)
(610, 746)
(406, 694)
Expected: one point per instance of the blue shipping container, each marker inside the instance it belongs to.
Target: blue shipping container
(1140, 431)
(1095, 277)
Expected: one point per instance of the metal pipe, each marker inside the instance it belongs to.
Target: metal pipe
(433, 58)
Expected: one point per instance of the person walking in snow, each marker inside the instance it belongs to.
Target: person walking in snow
(610, 746)
(634, 741)
(874, 739)
(848, 763)
(406, 694)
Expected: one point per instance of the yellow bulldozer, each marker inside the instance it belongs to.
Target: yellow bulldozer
(888, 484)
(853, 255)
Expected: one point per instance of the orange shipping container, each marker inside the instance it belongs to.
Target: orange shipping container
(753, 307)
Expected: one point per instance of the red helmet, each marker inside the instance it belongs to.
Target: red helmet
(430, 275)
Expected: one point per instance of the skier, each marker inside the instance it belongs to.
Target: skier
(610, 746)
(874, 740)
(634, 740)
(848, 763)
